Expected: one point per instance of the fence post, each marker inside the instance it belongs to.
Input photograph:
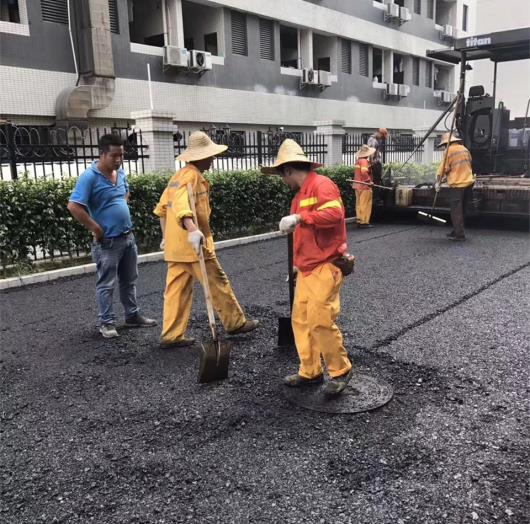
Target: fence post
(333, 133)
(10, 136)
(157, 134)
(260, 151)
(428, 146)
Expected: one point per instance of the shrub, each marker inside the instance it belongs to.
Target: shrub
(33, 214)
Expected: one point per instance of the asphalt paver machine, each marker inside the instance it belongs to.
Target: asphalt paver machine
(499, 144)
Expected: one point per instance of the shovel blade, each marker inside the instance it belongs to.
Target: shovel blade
(285, 333)
(214, 361)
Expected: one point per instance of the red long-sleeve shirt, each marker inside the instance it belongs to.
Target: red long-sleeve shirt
(321, 235)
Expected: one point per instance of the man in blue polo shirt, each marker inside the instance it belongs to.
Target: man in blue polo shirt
(99, 202)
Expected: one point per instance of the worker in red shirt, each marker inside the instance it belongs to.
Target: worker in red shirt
(363, 192)
(318, 222)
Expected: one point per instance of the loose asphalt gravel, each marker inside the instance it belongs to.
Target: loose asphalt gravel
(119, 431)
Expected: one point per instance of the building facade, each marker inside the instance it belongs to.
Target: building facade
(253, 63)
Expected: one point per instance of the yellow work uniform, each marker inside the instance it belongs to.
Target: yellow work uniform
(183, 262)
(458, 168)
(363, 205)
(316, 307)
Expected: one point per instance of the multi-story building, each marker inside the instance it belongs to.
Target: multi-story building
(251, 62)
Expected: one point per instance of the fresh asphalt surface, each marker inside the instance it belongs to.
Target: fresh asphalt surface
(119, 431)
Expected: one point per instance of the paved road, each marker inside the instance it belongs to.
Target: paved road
(98, 431)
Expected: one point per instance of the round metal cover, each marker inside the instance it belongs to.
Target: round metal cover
(363, 393)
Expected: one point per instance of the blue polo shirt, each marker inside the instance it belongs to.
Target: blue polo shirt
(105, 201)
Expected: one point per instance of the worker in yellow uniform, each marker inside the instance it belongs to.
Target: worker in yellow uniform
(182, 240)
(458, 173)
(317, 220)
(362, 186)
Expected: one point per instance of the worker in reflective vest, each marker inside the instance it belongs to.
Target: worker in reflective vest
(363, 192)
(458, 172)
(182, 241)
(318, 222)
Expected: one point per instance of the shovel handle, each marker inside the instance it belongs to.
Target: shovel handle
(202, 264)
(290, 261)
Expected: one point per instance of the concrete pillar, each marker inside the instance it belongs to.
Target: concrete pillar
(306, 48)
(388, 66)
(174, 23)
(157, 134)
(333, 131)
(428, 146)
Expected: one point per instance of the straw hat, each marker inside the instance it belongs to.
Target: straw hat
(290, 151)
(365, 151)
(448, 137)
(200, 146)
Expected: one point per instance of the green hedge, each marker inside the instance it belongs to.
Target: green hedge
(33, 213)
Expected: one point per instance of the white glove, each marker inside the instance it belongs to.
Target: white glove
(162, 245)
(437, 185)
(196, 239)
(289, 223)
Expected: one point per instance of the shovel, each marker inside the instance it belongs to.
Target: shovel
(215, 355)
(285, 328)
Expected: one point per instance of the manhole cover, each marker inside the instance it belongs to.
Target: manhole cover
(363, 393)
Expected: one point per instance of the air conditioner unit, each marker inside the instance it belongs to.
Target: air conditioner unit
(324, 78)
(200, 60)
(392, 89)
(404, 14)
(403, 89)
(448, 31)
(392, 10)
(309, 76)
(175, 56)
(447, 97)
(437, 93)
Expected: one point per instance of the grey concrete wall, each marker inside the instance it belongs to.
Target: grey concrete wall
(49, 48)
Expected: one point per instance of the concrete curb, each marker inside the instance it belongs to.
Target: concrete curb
(56, 274)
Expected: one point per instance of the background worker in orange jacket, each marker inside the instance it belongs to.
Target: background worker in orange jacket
(363, 193)
(459, 175)
(317, 219)
(182, 241)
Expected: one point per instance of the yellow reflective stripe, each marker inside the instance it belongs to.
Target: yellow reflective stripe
(308, 202)
(331, 203)
(364, 169)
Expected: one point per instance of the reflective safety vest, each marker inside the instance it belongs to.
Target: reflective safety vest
(321, 235)
(458, 169)
(174, 206)
(362, 173)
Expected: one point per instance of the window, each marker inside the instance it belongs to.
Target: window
(324, 64)
(54, 11)
(146, 22)
(430, 9)
(415, 71)
(377, 65)
(210, 44)
(464, 17)
(9, 11)
(239, 33)
(113, 14)
(428, 74)
(289, 46)
(417, 7)
(363, 59)
(266, 39)
(345, 56)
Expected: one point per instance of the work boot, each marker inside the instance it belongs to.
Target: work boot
(455, 238)
(365, 226)
(180, 343)
(139, 320)
(249, 325)
(296, 380)
(108, 331)
(338, 384)
(451, 234)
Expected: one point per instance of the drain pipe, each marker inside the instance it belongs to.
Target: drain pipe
(72, 41)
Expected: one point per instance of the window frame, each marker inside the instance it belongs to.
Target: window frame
(17, 28)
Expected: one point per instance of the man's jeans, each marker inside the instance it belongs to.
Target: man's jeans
(115, 257)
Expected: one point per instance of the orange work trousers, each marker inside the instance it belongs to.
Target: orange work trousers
(178, 298)
(315, 309)
(363, 205)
